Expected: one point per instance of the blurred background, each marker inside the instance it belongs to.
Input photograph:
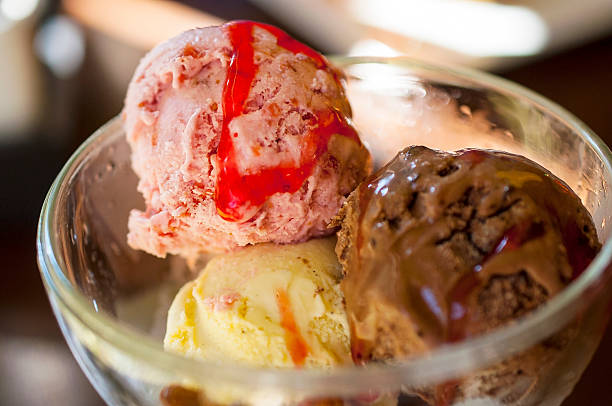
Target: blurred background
(65, 65)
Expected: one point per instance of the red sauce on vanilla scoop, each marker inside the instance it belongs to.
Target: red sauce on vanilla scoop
(236, 192)
(296, 345)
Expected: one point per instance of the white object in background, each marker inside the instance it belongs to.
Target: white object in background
(60, 44)
(20, 81)
(330, 25)
(481, 34)
(18, 9)
(479, 29)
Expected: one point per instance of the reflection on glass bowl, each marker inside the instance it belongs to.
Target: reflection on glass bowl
(111, 301)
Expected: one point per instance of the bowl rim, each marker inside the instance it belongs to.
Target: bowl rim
(445, 362)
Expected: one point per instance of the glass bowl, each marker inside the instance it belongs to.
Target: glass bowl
(110, 301)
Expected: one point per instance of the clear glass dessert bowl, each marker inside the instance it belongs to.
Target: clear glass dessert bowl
(111, 301)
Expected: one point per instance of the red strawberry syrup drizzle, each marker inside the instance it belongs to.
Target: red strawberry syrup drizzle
(236, 192)
(296, 345)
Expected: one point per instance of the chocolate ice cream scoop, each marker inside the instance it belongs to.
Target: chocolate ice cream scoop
(437, 247)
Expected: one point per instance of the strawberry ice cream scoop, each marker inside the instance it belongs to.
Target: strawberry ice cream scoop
(240, 135)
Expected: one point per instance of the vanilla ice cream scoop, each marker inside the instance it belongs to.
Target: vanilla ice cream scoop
(265, 305)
